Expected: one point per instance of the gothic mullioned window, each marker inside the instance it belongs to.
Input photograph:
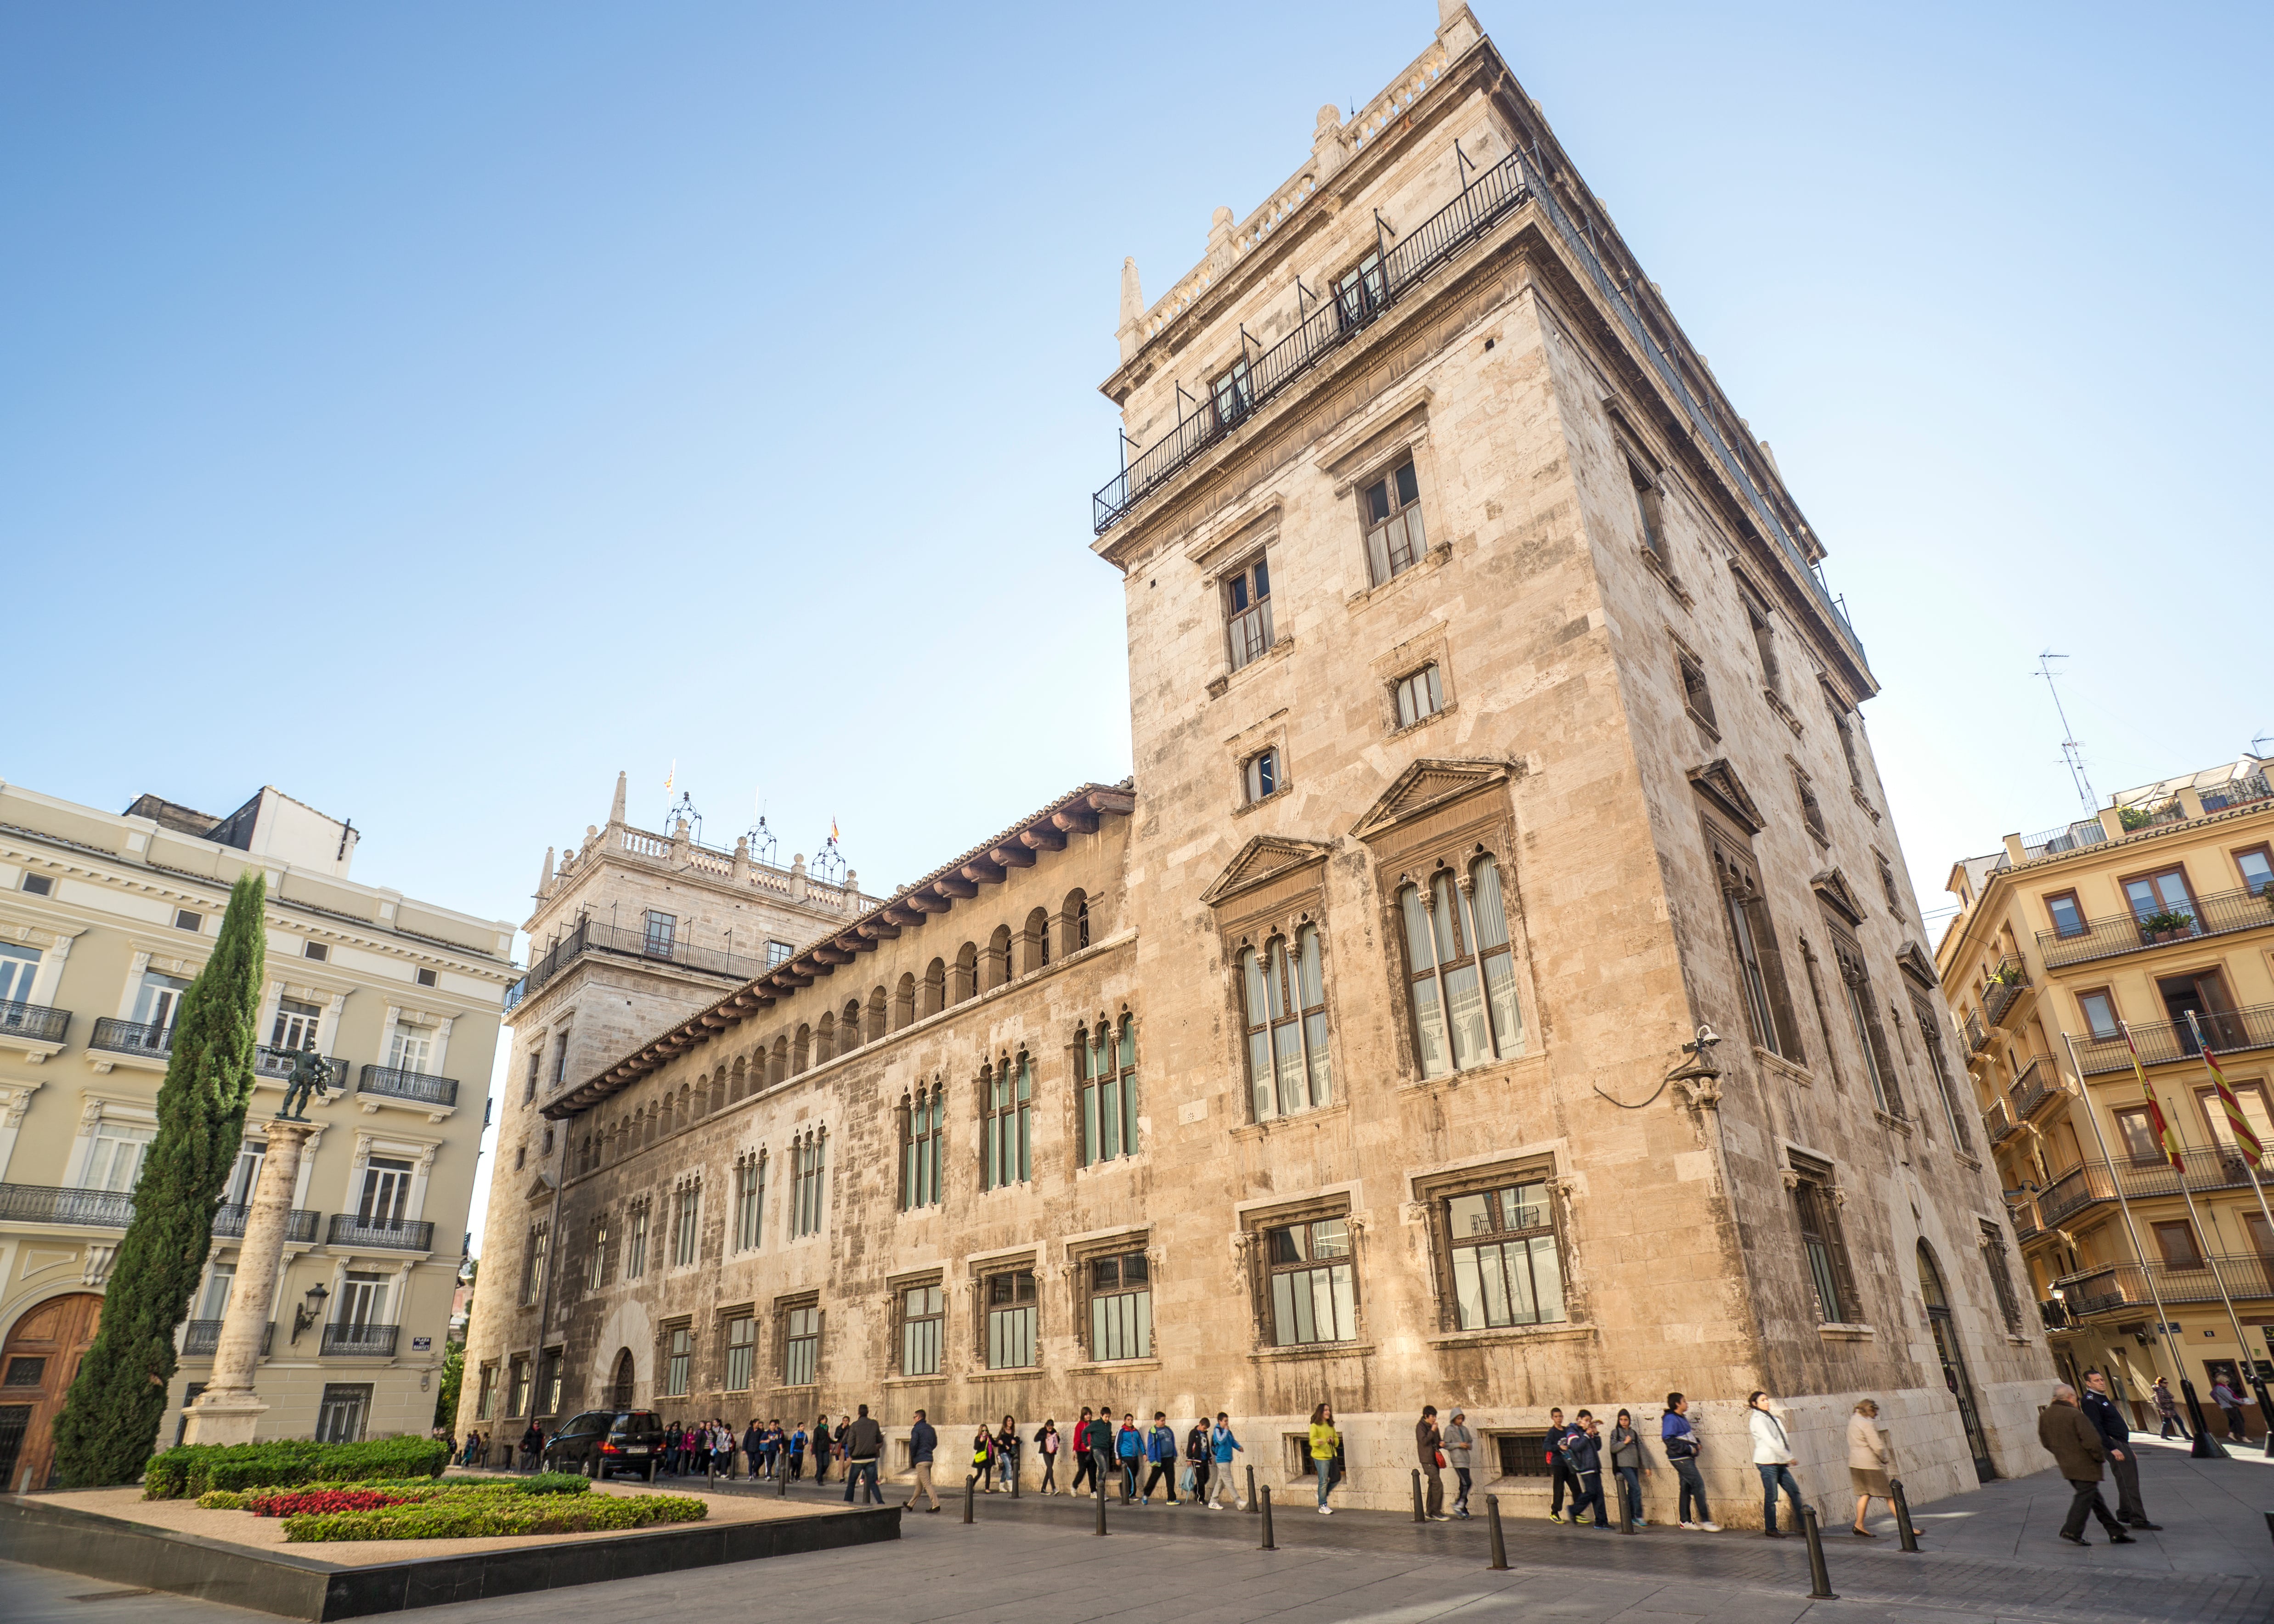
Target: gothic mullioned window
(1006, 1130)
(1461, 970)
(686, 1219)
(812, 1153)
(1105, 1083)
(924, 1118)
(1285, 995)
(750, 1202)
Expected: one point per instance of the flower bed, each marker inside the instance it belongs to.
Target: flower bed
(193, 1470)
(292, 1502)
(327, 1497)
(484, 1515)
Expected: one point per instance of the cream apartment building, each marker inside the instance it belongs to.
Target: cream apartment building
(105, 918)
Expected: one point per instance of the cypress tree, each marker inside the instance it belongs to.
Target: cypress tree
(112, 1416)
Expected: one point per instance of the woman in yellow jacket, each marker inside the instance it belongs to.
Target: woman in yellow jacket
(1326, 1453)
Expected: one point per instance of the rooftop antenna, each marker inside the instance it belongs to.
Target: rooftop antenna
(2072, 752)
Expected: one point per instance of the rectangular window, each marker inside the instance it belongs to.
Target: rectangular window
(218, 1280)
(362, 1300)
(662, 933)
(678, 1361)
(341, 1414)
(1764, 631)
(1830, 1279)
(596, 1261)
(548, 1382)
(923, 1310)
(800, 1346)
(386, 1193)
(184, 919)
(635, 1243)
(1011, 1312)
(2256, 864)
(1892, 892)
(2067, 917)
(684, 1235)
(317, 950)
(2136, 1133)
(1006, 1132)
(1648, 508)
(741, 1352)
(750, 1203)
(516, 1392)
(295, 1027)
(1461, 970)
(560, 1060)
(113, 1161)
(40, 885)
(1418, 696)
(1995, 1259)
(1358, 291)
(1811, 810)
(2175, 1239)
(1248, 612)
(1260, 776)
(486, 1395)
(779, 952)
(533, 1271)
(156, 1003)
(1230, 393)
(529, 1089)
(1105, 1078)
(1121, 1307)
(2099, 1014)
(1314, 1284)
(2162, 897)
(1864, 1021)
(1502, 1257)
(1391, 508)
(1697, 698)
(18, 965)
(428, 978)
(244, 1178)
(2251, 1096)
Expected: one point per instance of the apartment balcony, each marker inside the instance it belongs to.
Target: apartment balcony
(2012, 980)
(132, 1037)
(277, 1062)
(300, 1225)
(2039, 1085)
(386, 1235)
(2219, 914)
(369, 1341)
(417, 1086)
(94, 1209)
(1978, 1035)
(2027, 1225)
(2075, 1192)
(2055, 1314)
(1997, 1125)
(2206, 1170)
(35, 1027)
(201, 1338)
(2227, 1031)
(2120, 1287)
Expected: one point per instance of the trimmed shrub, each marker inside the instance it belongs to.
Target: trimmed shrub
(555, 1483)
(476, 1517)
(219, 1499)
(191, 1469)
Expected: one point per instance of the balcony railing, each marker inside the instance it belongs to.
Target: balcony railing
(2166, 1042)
(271, 1062)
(300, 1223)
(1996, 1123)
(97, 1209)
(2074, 1191)
(2116, 1286)
(2039, 1082)
(2219, 914)
(2013, 977)
(2068, 837)
(2237, 791)
(391, 1235)
(590, 936)
(2206, 1170)
(2055, 1314)
(130, 1037)
(399, 1085)
(2027, 1226)
(513, 994)
(372, 1340)
(35, 1021)
(201, 1337)
(1978, 1035)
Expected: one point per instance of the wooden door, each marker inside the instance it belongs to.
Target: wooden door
(37, 1363)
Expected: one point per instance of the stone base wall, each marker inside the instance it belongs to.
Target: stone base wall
(295, 1393)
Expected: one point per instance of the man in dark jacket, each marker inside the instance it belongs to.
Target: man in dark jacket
(2071, 1439)
(1161, 1457)
(864, 1441)
(2123, 1464)
(1582, 1452)
(923, 1440)
(1100, 1443)
(1559, 1468)
(1425, 1440)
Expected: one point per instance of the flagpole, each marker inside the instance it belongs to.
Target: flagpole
(2116, 1182)
(2251, 1151)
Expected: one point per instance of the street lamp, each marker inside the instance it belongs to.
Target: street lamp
(310, 1312)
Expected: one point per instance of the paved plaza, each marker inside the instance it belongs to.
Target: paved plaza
(1991, 1555)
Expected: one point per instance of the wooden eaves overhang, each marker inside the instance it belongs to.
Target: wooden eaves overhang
(1077, 812)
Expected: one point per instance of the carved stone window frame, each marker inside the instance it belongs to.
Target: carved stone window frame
(1256, 1222)
(1432, 1190)
(1079, 1256)
(1023, 1260)
(1274, 887)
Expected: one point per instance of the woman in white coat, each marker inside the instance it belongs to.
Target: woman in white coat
(1772, 1458)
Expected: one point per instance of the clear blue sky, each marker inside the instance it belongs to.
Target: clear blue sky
(431, 409)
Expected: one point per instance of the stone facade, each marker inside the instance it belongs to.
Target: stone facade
(1461, 610)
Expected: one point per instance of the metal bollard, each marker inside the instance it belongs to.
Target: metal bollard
(1903, 1534)
(1626, 1511)
(1819, 1577)
(782, 1477)
(1101, 1501)
(1253, 1507)
(1266, 1545)
(967, 1483)
(711, 1470)
(1417, 1514)
(1499, 1563)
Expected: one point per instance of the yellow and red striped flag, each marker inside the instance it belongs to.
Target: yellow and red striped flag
(2162, 1124)
(2246, 1138)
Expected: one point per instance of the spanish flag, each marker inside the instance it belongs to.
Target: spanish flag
(671, 778)
(832, 828)
(2246, 1139)
(2164, 1136)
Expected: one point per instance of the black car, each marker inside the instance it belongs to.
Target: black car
(599, 1442)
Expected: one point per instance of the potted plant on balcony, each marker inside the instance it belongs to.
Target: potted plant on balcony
(2167, 927)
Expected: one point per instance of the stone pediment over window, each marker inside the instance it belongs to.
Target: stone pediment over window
(1265, 858)
(1718, 783)
(541, 1189)
(1838, 894)
(1425, 786)
(1913, 962)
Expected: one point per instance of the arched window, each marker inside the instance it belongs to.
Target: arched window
(825, 1038)
(878, 1021)
(1105, 1080)
(1073, 924)
(935, 988)
(964, 980)
(800, 1051)
(741, 1078)
(904, 1001)
(923, 1120)
(811, 1149)
(779, 1070)
(1006, 1130)
(1285, 996)
(1001, 965)
(1461, 971)
(1081, 923)
(1035, 949)
(621, 1389)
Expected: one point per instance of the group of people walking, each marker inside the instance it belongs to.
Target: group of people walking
(1142, 1461)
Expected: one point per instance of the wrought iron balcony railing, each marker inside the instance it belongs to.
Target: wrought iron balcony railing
(392, 1235)
(2116, 1286)
(2038, 1083)
(2219, 914)
(300, 1224)
(2013, 977)
(2073, 1192)
(201, 1337)
(130, 1037)
(2206, 1170)
(1997, 1123)
(96, 1209)
(590, 936)
(2027, 1225)
(36, 1021)
(372, 1340)
(398, 1084)
(2166, 1042)
(2054, 1313)
(1978, 1035)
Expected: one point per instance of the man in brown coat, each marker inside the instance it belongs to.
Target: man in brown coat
(2074, 1443)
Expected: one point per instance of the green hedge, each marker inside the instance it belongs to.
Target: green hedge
(475, 1516)
(193, 1470)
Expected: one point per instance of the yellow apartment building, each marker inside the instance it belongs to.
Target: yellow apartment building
(2159, 909)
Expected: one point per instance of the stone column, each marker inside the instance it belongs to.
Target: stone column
(229, 1411)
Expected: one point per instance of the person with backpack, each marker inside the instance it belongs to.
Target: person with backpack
(1459, 1444)
(796, 1446)
(1772, 1458)
(1198, 1457)
(1223, 1445)
(1631, 1464)
(1161, 1456)
(1046, 1446)
(1583, 1453)
(1129, 1449)
(1680, 1441)
(1326, 1451)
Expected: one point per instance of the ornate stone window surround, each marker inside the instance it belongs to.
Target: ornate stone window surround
(1428, 1189)
(1081, 1253)
(1427, 648)
(1257, 1219)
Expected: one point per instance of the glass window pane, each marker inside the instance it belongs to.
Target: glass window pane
(1109, 1119)
(1089, 1140)
(1418, 954)
(1467, 1216)
(1446, 912)
(1143, 1314)
(1471, 1043)
(1259, 1069)
(1500, 994)
(1275, 978)
(1324, 1327)
(1493, 1265)
(1345, 1295)
(1290, 1245)
(1491, 912)
(1313, 986)
(1409, 490)
(1323, 1075)
(1284, 1328)
(1468, 1288)
(1288, 1045)
(1429, 1024)
(1331, 1238)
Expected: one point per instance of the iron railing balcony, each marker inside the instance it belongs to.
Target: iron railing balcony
(513, 994)
(2038, 1083)
(1997, 1125)
(2054, 1313)
(200, 1338)
(2027, 1225)
(400, 1084)
(96, 1209)
(2166, 1042)
(370, 1341)
(2012, 979)
(1978, 1035)
(300, 1224)
(2206, 1170)
(2219, 914)
(36, 1021)
(130, 1037)
(268, 1061)
(590, 936)
(389, 1234)
(2074, 1191)
(2114, 1287)
(2068, 838)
